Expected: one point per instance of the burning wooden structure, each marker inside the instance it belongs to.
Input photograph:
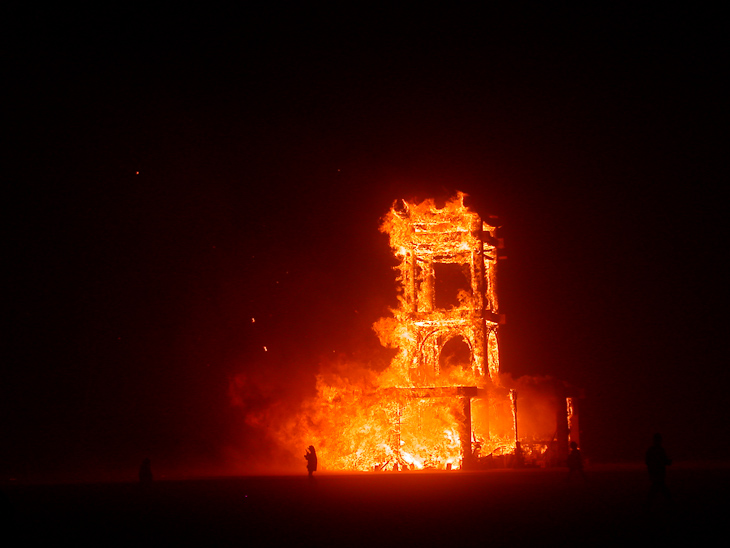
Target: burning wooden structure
(449, 311)
(443, 402)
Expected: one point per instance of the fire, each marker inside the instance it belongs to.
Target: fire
(442, 402)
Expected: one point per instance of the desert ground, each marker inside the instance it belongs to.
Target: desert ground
(487, 508)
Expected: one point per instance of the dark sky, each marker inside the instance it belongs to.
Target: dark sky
(169, 177)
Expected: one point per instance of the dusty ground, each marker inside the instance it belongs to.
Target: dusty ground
(493, 508)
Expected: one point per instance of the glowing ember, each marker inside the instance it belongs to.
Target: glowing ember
(442, 402)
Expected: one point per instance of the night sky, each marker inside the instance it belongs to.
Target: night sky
(170, 177)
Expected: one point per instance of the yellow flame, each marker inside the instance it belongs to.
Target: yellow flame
(440, 403)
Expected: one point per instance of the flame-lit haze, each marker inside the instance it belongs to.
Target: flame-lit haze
(442, 401)
(195, 263)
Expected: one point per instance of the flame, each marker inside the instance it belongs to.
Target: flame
(440, 403)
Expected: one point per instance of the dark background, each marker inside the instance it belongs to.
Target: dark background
(169, 177)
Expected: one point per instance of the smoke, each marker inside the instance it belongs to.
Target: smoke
(540, 401)
(276, 425)
(277, 422)
(259, 402)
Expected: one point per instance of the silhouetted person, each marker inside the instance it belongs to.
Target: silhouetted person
(145, 472)
(519, 458)
(574, 462)
(311, 456)
(656, 464)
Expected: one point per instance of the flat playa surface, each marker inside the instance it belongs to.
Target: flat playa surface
(497, 507)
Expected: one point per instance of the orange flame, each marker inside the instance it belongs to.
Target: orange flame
(440, 403)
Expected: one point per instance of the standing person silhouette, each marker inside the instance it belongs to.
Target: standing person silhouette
(656, 464)
(518, 460)
(311, 456)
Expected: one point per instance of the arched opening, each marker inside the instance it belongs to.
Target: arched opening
(455, 354)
